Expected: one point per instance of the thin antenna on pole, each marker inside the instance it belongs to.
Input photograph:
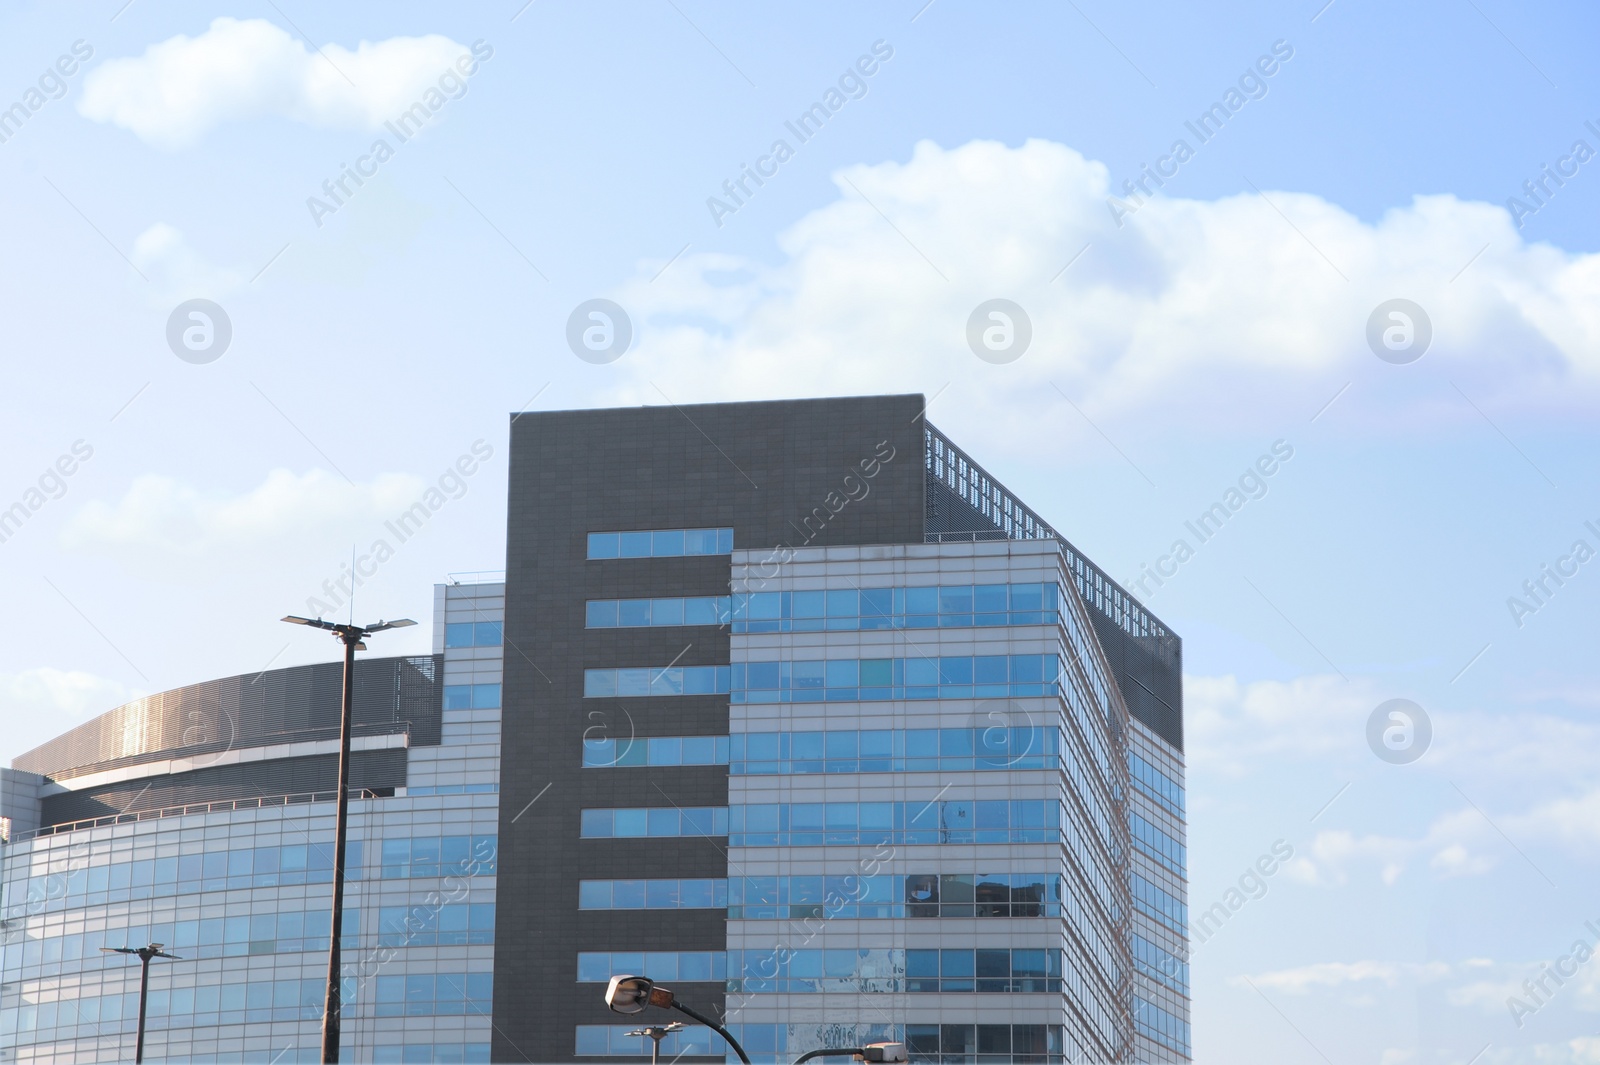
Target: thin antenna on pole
(353, 584)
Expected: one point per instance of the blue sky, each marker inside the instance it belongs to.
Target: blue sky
(1228, 312)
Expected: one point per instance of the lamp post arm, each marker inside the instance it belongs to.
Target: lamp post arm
(714, 1026)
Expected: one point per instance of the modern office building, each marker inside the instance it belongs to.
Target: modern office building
(202, 818)
(789, 706)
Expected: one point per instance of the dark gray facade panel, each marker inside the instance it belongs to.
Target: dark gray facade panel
(782, 473)
(293, 705)
(248, 780)
(1149, 674)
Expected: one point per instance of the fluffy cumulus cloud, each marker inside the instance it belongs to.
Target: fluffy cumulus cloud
(240, 69)
(176, 270)
(162, 516)
(1190, 304)
(1466, 841)
(1547, 802)
(1234, 727)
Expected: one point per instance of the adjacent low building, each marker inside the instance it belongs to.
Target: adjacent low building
(790, 706)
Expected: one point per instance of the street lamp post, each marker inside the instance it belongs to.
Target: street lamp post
(631, 994)
(351, 636)
(145, 954)
(657, 1032)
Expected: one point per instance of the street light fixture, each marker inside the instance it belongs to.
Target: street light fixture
(145, 954)
(657, 1032)
(352, 637)
(631, 994)
(872, 1052)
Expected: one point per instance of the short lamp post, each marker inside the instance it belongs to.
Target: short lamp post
(145, 954)
(631, 994)
(351, 636)
(657, 1032)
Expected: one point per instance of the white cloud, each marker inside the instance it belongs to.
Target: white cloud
(1478, 984)
(1333, 851)
(1234, 727)
(1487, 996)
(1571, 823)
(164, 516)
(40, 704)
(176, 271)
(240, 69)
(1193, 306)
(1463, 842)
(1339, 974)
(1584, 1050)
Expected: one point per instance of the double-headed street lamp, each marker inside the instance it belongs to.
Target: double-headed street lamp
(351, 636)
(631, 994)
(657, 1032)
(145, 954)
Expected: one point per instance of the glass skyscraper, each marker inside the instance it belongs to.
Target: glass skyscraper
(789, 706)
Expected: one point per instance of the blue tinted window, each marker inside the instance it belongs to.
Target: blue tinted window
(1156, 784)
(1027, 597)
(660, 543)
(807, 604)
(955, 600)
(910, 678)
(990, 669)
(884, 608)
(471, 696)
(952, 821)
(922, 600)
(990, 598)
(472, 634)
(672, 680)
(955, 670)
(689, 966)
(706, 610)
(653, 821)
(701, 610)
(667, 544)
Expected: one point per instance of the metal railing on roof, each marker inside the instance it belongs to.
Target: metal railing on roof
(1012, 519)
(477, 576)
